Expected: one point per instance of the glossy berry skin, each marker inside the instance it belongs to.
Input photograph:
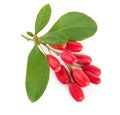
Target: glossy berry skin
(73, 46)
(53, 63)
(80, 77)
(83, 59)
(68, 58)
(93, 69)
(63, 76)
(76, 92)
(59, 47)
(92, 77)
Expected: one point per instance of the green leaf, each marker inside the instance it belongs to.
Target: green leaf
(42, 18)
(37, 74)
(53, 38)
(75, 26)
(30, 34)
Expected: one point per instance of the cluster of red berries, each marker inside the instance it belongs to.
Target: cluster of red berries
(79, 72)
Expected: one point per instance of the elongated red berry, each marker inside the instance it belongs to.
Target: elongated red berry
(54, 63)
(63, 76)
(68, 58)
(80, 77)
(93, 69)
(92, 77)
(59, 47)
(83, 59)
(76, 92)
(74, 46)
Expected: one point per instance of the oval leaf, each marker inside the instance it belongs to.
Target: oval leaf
(37, 74)
(42, 18)
(30, 34)
(53, 38)
(75, 26)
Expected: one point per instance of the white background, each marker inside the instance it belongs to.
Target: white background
(17, 17)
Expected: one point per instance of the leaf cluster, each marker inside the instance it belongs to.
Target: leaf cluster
(72, 26)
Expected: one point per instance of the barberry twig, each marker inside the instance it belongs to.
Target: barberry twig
(57, 53)
(42, 49)
(28, 39)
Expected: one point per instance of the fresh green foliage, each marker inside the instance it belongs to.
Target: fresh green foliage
(53, 38)
(37, 74)
(42, 18)
(75, 26)
(72, 26)
(30, 34)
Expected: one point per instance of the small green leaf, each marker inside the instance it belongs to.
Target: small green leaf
(37, 74)
(53, 38)
(75, 26)
(30, 34)
(42, 18)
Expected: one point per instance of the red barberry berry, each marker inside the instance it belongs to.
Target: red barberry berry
(80, 77)
(74, 46)
(76, 92)
(68, 58)
(83, 59)
(63, 75)
(92, 77)
(93, 69)
(54, 63)
(59, 47)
